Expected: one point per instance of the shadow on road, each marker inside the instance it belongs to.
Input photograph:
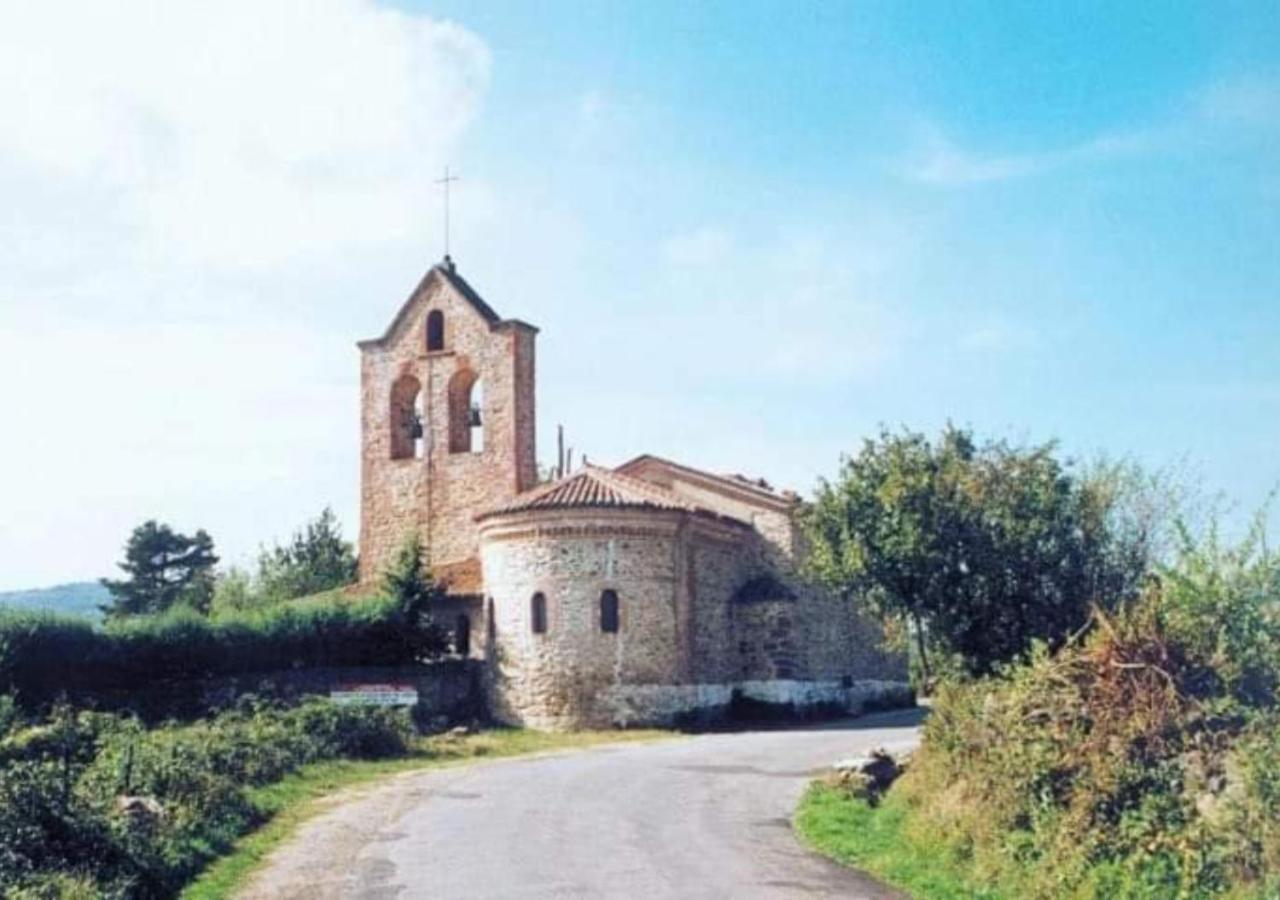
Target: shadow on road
(895, 718)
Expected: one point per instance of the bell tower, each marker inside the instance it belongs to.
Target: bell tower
(447, 423)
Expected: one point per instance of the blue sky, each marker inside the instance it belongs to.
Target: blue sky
(750, 232)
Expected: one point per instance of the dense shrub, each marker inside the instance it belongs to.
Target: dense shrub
(43, 655)
(96, 803)
(1141, 760)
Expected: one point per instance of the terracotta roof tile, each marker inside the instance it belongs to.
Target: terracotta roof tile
(460, 577)
(594, 487)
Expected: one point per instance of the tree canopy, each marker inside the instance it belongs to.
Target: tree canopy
(164, 568)
(409, 581)
(316, 559)
(981, 548)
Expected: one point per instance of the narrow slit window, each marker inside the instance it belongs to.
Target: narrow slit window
(609, 611)
(538, 614)
(462, 635)
(435, 330)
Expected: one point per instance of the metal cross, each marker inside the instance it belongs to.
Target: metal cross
(445, 181)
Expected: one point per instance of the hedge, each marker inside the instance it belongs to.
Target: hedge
(44, 655)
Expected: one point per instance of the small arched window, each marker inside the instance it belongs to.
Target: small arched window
(435, 330)
(407, 423)
(490, 621)
(609, 611)
(538, 613)
(462, 635)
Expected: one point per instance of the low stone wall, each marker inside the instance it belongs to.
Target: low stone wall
(635, 705)
(448, 688)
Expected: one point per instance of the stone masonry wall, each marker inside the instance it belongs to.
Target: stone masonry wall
(818, 635)
(683, 644)
(557, 679)
(440, 493)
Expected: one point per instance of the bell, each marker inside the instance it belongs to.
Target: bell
(474, 419)
(413, 422)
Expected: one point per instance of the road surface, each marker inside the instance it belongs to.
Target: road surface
(707, 816)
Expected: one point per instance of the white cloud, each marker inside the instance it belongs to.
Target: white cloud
(186, 189)
(704, 246)
(239, 132)
(187, 422)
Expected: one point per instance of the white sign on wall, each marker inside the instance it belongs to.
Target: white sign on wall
(388, 694)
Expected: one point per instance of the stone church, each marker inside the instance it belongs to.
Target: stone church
(647, 593)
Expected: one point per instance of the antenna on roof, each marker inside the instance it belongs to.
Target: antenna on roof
(445, 181)
(559, 452)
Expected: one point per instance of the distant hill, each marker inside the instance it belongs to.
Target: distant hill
(81, 598)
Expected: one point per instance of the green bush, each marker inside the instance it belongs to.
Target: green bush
(98, 801)
(43, 656)
(1141, 760)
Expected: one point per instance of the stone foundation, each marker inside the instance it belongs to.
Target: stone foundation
(634, 705)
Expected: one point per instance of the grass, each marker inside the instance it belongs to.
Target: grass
(290, 802)
(875, 840)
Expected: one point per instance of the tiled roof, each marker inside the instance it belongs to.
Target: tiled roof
(460, 577)
(594, 487)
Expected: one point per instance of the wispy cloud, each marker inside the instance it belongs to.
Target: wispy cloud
(1245, 102)
(940, 162)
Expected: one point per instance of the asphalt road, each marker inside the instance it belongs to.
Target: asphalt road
(707, 816)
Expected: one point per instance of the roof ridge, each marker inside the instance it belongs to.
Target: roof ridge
(743, 483)
(598, 486)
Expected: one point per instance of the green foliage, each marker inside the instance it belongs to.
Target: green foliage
(317, 559)
(233, 592)
(100, 802)
(408, 579)
(981, 548)
(164, 569)
(43, 655)
(1139, 760)
(9, 715)
(876, 840)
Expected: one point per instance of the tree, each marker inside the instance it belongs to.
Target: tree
(981, 549)
(233, 592)
(163, 568)
(316, 559)
(409, 581)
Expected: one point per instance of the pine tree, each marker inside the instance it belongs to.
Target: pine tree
(409, 580)
(163, 568)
